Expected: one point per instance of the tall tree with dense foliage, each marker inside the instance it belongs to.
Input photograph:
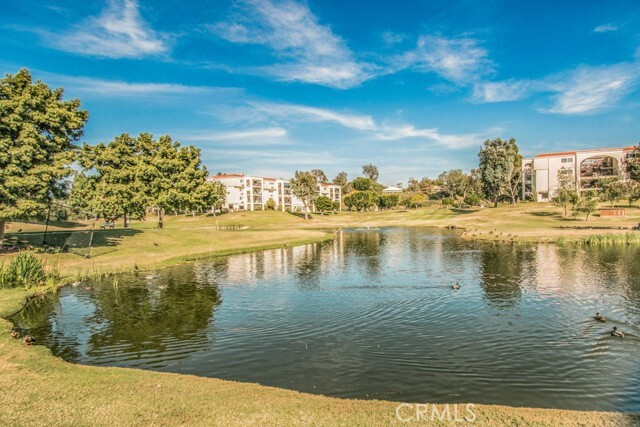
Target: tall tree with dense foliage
(170, 175)
(566, 194)
(81, 196)
(37, 132)
(370, 171)
(304, 186)
(213, 194)
(117, 191)
(500, 169)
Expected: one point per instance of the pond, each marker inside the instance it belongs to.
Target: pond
(373, 314)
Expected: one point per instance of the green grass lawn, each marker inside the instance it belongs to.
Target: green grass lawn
(39, 389)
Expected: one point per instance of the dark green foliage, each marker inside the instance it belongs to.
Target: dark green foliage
(323, 204)
(361, 200)
(37, 131)
(388, 201)
(500, 169)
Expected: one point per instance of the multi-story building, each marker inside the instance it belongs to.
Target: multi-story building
(250, 192)
(589, 167)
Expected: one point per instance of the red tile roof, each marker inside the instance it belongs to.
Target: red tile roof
(573, 153)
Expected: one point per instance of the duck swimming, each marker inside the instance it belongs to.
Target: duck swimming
(599, 317)
(455, 285)
(29, 340)
(617, 333)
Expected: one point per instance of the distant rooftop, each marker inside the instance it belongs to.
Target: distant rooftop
(595, 150)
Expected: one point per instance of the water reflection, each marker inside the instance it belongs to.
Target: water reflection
(372, 315)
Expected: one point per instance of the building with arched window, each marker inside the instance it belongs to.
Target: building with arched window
(589, 167)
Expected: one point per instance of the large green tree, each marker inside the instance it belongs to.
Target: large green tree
(37, 132)
(117, 190)
(170, 175)
(304, 186)
(500, 169)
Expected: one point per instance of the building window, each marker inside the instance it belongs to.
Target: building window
(567, 160)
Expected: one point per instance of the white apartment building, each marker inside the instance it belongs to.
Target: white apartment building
(540, 173)
(250, 192)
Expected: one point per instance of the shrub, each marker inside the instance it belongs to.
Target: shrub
(25, 269)
(270, 205)
(448, 201)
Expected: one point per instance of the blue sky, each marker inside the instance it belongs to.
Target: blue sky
(268, 87)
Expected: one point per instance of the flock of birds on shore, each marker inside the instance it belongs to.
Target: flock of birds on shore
(501, 235)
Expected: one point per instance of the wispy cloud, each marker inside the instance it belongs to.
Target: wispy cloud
(365, 123)
(584, 90)
(592, 89)
(119, 32)
(317, 115)
(605, 28)
(510, 90)
(460, 60)
(310, 52)
(116, 88)
(255, 137)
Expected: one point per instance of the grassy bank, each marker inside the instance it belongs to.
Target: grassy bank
(39, 389)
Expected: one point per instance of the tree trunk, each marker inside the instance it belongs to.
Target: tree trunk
(160, 218)
(306, 216)
(126, 220)
(2, 225)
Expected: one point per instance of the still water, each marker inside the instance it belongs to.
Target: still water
(373, 315)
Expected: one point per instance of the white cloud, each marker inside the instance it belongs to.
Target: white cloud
(605, 28)
(365, 123)
(313, 114)
(116, 88)
(510, 90)
(591, 89)
(459, 60)
(266, 136)
(310, 52)
(119, 32)
(584, 90)
(390, 38)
